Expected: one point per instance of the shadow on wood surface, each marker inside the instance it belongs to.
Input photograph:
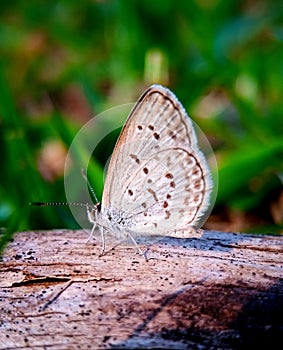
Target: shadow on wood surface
(259, 325)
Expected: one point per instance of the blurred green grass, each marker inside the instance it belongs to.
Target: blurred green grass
(62, 62)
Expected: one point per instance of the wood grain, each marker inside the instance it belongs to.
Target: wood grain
(223, 290)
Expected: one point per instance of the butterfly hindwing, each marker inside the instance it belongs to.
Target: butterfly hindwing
(157, 176)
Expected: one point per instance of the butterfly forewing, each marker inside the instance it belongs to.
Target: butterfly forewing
(159, 178)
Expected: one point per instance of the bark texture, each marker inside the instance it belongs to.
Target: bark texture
(223, 290)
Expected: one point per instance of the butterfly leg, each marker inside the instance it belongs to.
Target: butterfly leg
(92, 218)
(137, 246)
(91, 233)
(102, 250)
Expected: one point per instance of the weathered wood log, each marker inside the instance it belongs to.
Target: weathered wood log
(222, 290)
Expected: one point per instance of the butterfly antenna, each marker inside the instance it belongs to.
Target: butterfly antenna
(89, 186)
(46, 204)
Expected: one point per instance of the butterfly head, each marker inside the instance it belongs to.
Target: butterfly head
(93, 212)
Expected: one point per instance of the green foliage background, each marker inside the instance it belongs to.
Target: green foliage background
(223, 59)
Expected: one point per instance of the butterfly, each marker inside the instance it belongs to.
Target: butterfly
(158, 182)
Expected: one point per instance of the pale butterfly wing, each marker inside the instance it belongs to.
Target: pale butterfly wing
(157, 177)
